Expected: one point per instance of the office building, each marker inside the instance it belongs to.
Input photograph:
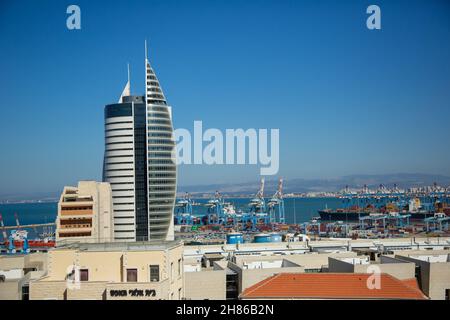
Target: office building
(125, 167)
(139, 163)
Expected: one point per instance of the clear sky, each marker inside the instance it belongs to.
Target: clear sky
(347, 100)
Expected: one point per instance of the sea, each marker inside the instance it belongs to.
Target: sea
(297, 210)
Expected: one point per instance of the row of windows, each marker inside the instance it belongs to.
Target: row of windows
(159, 209)
(161, 115)
(121, 136)
(118, 122)
(122, 197)
(113, 170)
(156, 108)
(162, 168)
(127, 176)
(160, 148)
(156, 128)
(160, 182)
(161, 162)
(158, 102)
(76, 208)
(126, 162)
(160, 141)
(156, 95)
(161, 188)
(119, 149)
(117, 129)
(160, 195)
(154, 89)
(159, 135)
(119, 156)
(118, 110)
(110, 143)
(161, 175)
(159, 121)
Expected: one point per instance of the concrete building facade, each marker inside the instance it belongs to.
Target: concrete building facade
(108, 271)
(85, 213)
(16, 273)
(432, 271)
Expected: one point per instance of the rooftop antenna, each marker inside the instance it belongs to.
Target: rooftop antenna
(146, 52)
(129, 78)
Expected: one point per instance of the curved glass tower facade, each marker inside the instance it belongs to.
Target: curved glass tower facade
(161, 166)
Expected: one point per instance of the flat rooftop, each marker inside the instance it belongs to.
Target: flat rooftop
(432, 258)
(120, 246)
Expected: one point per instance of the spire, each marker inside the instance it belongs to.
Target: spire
(146, 52)
(129, 77)
(153, 91)
(126, 91)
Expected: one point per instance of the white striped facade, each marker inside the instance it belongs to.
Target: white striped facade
(119, 172)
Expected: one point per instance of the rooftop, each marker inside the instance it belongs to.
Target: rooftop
(332, 286)
(432, 258)
(120, 246)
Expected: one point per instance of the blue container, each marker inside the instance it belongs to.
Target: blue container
(234, 238)
(262, 237)
(275, 237)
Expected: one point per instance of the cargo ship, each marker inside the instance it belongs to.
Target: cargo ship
(413, 208)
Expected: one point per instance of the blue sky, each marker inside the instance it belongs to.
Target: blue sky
(347, 100)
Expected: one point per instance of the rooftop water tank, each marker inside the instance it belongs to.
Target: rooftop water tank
(234, 238)
(262, 237)
(275, 237)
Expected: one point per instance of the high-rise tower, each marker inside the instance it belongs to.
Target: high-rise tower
(140, 163)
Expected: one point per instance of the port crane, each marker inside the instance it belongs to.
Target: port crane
(257, 213)
(276, 204)
(258, 204)
(184, 212)
(3, 228)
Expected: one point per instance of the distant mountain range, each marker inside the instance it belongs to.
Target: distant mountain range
(403, 180)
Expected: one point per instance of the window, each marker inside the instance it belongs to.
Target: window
(154, 273)
(26, 292)
(171, 271)
(179, 267)
(447, 294)
(131, 275)
(84, 275)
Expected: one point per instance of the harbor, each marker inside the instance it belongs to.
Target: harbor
(380, 213)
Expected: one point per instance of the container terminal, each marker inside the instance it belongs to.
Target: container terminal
(364, 214)
(381, 213)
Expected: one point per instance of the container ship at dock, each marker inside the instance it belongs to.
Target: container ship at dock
(383, 202)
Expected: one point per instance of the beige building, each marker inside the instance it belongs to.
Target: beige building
(16, 272)
(432, 271)
(397, 268)
(138, 270)
(85, 213)
(205, 282)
